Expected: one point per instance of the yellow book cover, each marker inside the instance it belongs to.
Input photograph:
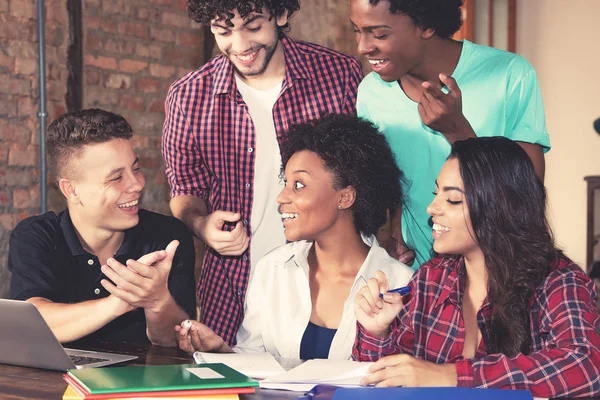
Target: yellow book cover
(71, 394)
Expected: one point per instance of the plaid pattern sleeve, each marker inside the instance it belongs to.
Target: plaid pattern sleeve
(565, 361)
(209, 147)
(565, 355)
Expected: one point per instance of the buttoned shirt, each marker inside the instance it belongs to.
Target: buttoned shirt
(209, 142)
(47, 260)
(564, 359)
(278, 305)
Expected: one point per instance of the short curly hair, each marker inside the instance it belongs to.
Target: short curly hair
(204, 11)
(444, 16)
(357, 154)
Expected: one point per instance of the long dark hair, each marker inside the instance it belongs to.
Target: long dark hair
(507, 206)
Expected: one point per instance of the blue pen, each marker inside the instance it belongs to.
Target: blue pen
(404, 290)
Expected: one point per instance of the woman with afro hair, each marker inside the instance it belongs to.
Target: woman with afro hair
(340, 180)
(428, 90)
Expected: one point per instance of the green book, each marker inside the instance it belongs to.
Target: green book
(160, 378)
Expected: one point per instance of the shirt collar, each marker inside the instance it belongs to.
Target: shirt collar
(295, 68)
(454, 280)
(75, 247)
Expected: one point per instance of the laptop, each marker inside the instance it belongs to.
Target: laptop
(26, 340)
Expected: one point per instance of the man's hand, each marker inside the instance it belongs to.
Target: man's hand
(374, 313)
(142, 283)
(443, 112)
(194, 336)
(405, 370)
(210, 230)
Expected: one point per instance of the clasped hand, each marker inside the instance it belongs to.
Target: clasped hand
(443, 111)
(142, 283)
(227, 243)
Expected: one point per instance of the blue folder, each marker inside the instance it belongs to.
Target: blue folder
(436, 393)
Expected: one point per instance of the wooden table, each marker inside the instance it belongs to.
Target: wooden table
(32, 383)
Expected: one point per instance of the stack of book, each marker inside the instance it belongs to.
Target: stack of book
(185, 381)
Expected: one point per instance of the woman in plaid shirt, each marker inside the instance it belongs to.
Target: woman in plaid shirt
(500, 307)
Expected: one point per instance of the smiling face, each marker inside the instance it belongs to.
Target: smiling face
(309, 202)
(250, 43)
(452, 229)
(106, 185)
(392, 43)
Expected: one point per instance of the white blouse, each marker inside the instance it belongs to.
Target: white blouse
(278, 302)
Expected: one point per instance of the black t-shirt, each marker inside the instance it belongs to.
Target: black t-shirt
(47, 260)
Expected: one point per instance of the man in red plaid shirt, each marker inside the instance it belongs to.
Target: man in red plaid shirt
(221, 136)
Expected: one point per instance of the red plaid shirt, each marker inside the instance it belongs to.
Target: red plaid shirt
(565, 355)
(209, 142)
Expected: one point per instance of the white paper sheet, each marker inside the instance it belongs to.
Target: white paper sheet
(254, 365)
(319, 371)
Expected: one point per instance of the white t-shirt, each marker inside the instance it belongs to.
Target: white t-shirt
(265, 221)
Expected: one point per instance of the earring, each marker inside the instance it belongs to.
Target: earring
(339, 207)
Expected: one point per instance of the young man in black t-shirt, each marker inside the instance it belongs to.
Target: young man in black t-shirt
(103, 269)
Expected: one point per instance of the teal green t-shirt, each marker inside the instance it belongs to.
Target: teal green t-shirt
(501, 97)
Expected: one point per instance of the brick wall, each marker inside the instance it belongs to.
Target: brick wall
(19, 127)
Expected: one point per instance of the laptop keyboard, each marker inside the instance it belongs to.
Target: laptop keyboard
(81, 360)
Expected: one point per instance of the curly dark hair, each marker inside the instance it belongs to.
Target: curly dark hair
(203, 11)
(357, 154)
(507, 206)
(68, 134)
(444, 16)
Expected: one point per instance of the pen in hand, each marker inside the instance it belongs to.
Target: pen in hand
(404, 290)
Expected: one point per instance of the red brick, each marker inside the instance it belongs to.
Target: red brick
(133, 103)
(3, 155)
(132, 66)
(181, 5)
(56, 90)
(21, 199)
(149, 14)
(13, 28)
(177, 20)
(26, 66)
(100, 62)
(8, 106)
(191, 39)
(59, 110)
(118, 81)
(102, 24)
(7, 63)
(23, 9)
(13, 85)
(57, 11)
(16, 177)
(162, 71)
(23, 155)
(22, 48)
(119, 46)
(147, 85)
(133, 29)
(15, 134)
(157, 106)
(9, 221)
(101, 97)
(116, 7)
(3, 6)
(150, 161)
(93, 77)
(55, 35)
(4, 198)
(148, 51)
(163, 35)
(93, 42)
(161, 2)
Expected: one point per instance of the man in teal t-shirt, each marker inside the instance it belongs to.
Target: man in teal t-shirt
(428, 91)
